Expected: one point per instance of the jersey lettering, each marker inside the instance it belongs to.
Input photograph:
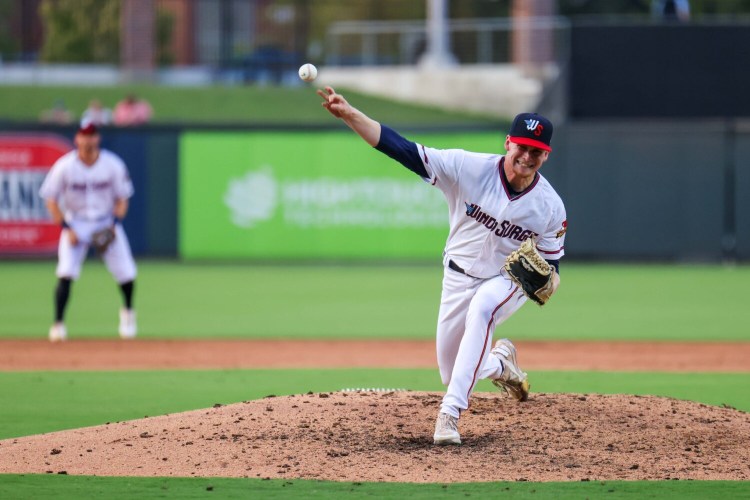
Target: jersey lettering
(475, 212)
(506, 229)
(509, 230)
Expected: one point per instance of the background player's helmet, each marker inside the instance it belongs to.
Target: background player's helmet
(531, 129)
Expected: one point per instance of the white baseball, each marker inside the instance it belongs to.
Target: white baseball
(308, 72)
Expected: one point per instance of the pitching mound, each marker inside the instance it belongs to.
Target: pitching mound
(387, 436)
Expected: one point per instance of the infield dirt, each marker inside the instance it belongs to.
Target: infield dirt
(18, 355)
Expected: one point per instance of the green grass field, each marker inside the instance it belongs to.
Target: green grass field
(243, 300)
(235, 300)
(71, 487)
(222, 105)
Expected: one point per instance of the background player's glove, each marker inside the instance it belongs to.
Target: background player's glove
(536, 277)
(101, 239)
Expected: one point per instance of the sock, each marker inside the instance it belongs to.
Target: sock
(62, 293)
(127, 293)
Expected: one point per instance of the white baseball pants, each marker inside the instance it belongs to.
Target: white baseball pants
(470, 310)
(118, 257)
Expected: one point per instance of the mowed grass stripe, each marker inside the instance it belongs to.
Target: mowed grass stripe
(115, 488)
(227, 105)
(243, 300)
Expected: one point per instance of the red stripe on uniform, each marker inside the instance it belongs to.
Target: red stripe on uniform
(487, 336)
(551, 251)
(427, 162)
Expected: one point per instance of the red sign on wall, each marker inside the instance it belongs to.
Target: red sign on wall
(25, 225)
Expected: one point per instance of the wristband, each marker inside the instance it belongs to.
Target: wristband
(64, 224)
(117, 220)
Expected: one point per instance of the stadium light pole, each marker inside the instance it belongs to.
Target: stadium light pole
(438, 52)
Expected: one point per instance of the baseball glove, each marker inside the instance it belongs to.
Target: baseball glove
(102, 239)
(536, 277)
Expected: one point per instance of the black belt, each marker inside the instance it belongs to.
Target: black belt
(458, 268)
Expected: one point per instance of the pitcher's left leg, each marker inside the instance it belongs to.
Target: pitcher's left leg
(494, 302)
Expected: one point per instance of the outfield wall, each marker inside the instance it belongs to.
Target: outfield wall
(655, 189)
(634, 190)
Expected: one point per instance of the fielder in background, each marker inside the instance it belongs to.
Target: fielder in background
(506, 223)
(87, 192)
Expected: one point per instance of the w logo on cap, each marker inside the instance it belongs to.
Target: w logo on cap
(531, 124)
(531, 129)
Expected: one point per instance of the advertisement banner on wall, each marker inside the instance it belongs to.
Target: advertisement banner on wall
(25, 225)
(285, 195)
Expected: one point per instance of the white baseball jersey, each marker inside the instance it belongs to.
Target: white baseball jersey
(87, 196)
(87, 192)
(487, 222)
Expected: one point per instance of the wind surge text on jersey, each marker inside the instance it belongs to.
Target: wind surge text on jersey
(506, 229)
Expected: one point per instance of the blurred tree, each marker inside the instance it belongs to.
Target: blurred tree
(596, 7)
(480, 9)
(618, 7)
(719, 6)
(9, 45)
(81, 31)
(164, 30)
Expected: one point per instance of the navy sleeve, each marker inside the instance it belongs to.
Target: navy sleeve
(555, 264)
(401, 149)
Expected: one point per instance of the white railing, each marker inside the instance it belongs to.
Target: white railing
(472, 41)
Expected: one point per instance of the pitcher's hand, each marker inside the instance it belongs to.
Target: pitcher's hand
(335, 103)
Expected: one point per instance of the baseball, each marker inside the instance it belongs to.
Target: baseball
(308, 72)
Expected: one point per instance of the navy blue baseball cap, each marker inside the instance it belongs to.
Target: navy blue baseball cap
(531, 129)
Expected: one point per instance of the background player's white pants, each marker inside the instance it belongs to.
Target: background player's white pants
(118, 257)
(470, 310)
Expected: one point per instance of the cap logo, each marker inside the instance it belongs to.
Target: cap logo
(532, 130)
(533, 125)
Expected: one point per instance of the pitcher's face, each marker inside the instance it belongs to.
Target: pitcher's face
(524, 160)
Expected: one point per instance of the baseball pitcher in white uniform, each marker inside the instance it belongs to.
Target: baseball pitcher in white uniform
(87, 192)
(496, 203)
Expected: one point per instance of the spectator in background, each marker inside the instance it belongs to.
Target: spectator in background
(58, 113)
(97, 114)
(132, 111)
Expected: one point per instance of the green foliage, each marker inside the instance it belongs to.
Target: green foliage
(643, 7)
(8, 43)
(164, 30)
(81, 31)
(727, 7)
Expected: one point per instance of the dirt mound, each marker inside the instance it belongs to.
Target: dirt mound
(387, 436)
